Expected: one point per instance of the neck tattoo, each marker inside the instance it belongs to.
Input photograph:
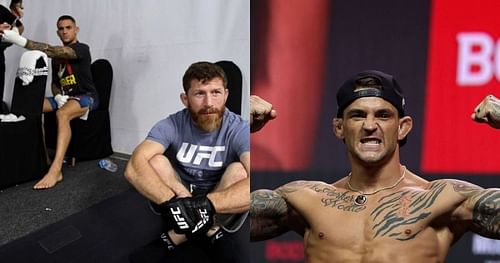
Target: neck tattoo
(363, 197)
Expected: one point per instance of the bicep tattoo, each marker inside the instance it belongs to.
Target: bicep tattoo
(486, 213)
(52, 51)
(484, 205)
(268, 211)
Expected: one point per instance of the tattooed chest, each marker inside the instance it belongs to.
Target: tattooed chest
(343, 201)
(401, 215)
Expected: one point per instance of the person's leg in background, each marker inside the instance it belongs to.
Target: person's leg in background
(72, 109)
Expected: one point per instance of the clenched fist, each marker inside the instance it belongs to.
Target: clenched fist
(488, 111)
(261, 112)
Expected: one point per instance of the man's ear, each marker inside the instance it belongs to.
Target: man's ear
(226, 95)
(184, 99)
(338, 127)
(405, 125)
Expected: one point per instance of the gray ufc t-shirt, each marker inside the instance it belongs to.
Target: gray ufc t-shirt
(200, 157)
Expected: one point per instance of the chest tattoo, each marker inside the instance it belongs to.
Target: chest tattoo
(404, 209)
(338, 199)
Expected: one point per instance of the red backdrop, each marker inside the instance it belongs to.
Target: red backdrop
(463, 55)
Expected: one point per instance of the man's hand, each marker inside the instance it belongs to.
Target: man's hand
(261, 112)
(191, 216)
(488, 111)
(12, 36)
(4, 26)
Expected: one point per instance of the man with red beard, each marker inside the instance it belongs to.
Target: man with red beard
(194, 167)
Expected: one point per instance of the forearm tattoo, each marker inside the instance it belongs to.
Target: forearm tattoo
(404, 208)
(486, 213)
(52, 51)
(268, 210)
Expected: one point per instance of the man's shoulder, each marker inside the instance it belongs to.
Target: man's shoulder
(82, 50)
(233, 119)
(302, 185)
(80, 45)
(176, 118)
(458, 186)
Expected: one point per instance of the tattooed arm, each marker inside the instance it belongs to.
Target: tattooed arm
(63, 52)
(485, 208)
(268, 214)
(480, 209)
(272, 215)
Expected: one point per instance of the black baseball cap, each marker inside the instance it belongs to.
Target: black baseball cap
(388, 90)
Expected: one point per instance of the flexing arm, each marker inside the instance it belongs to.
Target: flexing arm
(64, 52)
(488, 111)
(142, 176)
(234, 199)
(480, 209)
(272, 214)
(269, 212)
(485, 208)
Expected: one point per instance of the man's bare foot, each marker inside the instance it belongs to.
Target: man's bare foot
(49, 181)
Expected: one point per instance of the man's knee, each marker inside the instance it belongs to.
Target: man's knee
(62, 115)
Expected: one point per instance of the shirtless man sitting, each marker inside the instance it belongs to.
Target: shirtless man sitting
(381, 211)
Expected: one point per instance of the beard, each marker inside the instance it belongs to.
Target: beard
(207, 119)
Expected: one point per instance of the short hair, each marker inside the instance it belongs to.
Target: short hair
(368, 83)
(14, 2)
(204, 72)
(66, 17)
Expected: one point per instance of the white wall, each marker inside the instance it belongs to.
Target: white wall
(150, 43)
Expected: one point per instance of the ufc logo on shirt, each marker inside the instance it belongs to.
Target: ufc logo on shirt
(189, 153)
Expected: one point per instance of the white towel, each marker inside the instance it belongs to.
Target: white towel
(85, 116)
(11, 118)
(27, 66)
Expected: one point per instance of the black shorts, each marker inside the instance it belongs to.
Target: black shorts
(231, 248)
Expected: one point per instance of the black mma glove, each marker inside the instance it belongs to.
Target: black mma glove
(191, 216)
(206, 212)
(168, 241)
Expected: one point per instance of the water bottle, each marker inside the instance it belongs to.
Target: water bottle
(108, 165)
